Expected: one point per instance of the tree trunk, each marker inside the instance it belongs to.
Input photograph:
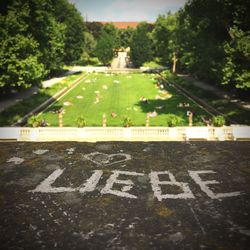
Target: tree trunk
(174, 63)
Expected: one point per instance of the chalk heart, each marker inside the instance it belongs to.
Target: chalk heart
(102, 159)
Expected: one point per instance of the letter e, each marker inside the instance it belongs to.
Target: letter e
(204, 185)
(155, 182)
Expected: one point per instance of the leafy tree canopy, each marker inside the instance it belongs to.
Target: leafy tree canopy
(37, 38)
(209, 39)
(126, 37)
(107, 42)
(68, 15)
(141, 45)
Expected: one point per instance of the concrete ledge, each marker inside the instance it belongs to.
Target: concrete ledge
(90, 69)
(92, 134)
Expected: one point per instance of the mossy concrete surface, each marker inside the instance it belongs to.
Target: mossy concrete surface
(106, 195)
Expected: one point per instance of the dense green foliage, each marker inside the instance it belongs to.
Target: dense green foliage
(19, 54)
(127, 122)
(107, 42)
(19, 63)
(106, 39)
(37, 38)
(80, 121)
(95, 28)
(141, 45)
(68, 15)
(164, 36)
(209, 38)
(88, 55)
(236, 69)
(173, 120)
(34, 121)
(218, 121)
(126, 36)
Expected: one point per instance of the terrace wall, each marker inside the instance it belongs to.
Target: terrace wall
(90, 134)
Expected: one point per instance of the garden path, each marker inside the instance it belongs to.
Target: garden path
(120, 61)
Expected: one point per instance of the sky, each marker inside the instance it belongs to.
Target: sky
(126, 10)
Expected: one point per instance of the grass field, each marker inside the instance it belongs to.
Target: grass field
(120, 94)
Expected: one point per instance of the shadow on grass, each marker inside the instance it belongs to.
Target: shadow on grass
(164, 107)
(231, 110)
(20, 109)
(16, 112)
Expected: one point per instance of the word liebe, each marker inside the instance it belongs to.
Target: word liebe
(90, 185)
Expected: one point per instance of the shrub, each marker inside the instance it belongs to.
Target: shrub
(199, 124)
(141, 45)
(218, 120)
(127, 122)
(151, 64)
(80, 121)
(34, 121)
(104, 48)
(173, 120)
(15, 118)
(166, 74)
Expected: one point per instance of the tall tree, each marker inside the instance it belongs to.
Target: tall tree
(209, 38)
(19, 53)
(107, 42)
(205, 34)
(112, 31)
(141, 45)
(66, 14)
(89, 43)
(37, 38)
(236, 70)
(95, 28)
(236, 67)
(126, 37)
(104, 48)
(49, 33)
(165, 36)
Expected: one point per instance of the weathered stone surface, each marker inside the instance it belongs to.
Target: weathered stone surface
(93, 211)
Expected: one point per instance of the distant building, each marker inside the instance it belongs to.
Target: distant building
(123, 25)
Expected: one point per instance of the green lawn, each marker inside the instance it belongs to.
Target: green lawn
(122, 98)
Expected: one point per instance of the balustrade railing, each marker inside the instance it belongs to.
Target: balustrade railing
(125, 134)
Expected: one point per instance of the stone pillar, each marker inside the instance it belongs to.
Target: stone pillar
(147, 120)
(60, 117)
(104, 120)
(190, 119)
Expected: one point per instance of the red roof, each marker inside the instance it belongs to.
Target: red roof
(123, 25)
